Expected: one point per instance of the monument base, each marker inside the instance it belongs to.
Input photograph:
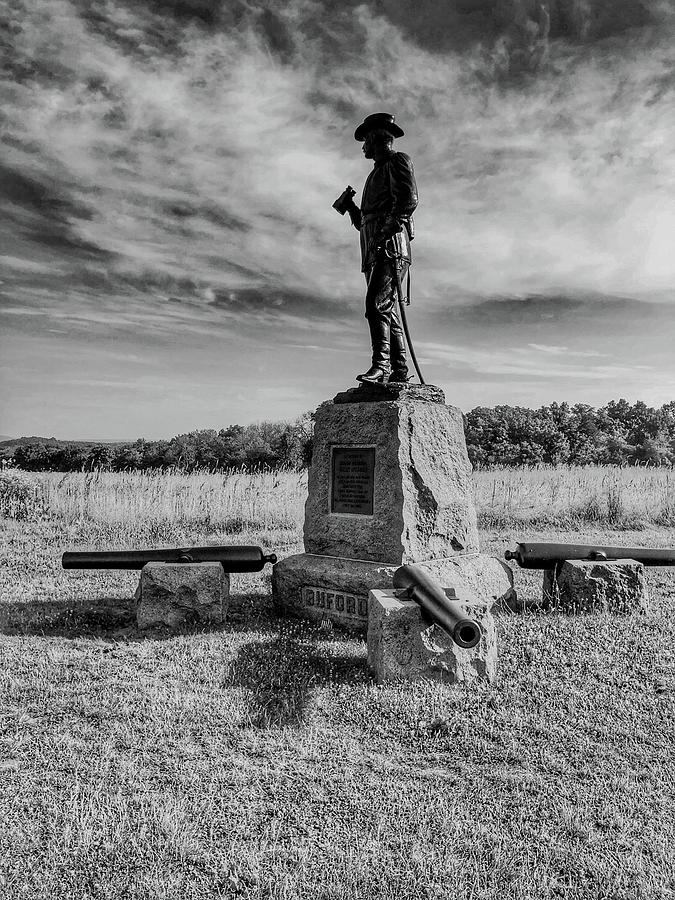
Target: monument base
(321, 588)
(402, 646)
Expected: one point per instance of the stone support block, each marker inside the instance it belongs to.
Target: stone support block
(176, 595)
(581, 586)
(403, 646)
(323, 588)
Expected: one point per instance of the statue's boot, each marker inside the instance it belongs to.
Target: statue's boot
(399, 363)
(379, 338)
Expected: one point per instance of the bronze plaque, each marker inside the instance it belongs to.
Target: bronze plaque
(352, 480)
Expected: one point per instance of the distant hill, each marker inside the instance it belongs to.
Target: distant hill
(9, 443)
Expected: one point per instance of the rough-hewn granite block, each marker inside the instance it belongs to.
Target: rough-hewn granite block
(174, 595)
(417, 495)
(581, 586)
(487, 578)
(402, 646)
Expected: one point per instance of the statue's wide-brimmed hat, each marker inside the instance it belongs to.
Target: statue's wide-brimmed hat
(385, 121)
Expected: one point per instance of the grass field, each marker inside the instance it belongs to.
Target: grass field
(261, 761)
(631, 497)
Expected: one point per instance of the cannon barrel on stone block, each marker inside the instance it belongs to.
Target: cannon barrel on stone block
(234, 558)
(417, 585)
(547, 556)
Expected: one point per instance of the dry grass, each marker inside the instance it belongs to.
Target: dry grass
(627, 497)
(232, 500)
(261, 761)
(621, 497)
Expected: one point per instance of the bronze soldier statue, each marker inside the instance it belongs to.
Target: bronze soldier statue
(386, 227)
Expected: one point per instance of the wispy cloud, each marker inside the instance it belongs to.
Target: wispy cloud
(215, 164)
(564, 351)
(521, 362)
(544, 349)
(169, 177)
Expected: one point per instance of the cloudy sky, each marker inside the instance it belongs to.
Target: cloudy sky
(169, 258)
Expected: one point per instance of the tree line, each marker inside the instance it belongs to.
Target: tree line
(265, 444)
(619, 433)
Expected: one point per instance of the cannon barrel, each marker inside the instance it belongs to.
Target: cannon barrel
(430, 596)
(545, 556)
(234, 558)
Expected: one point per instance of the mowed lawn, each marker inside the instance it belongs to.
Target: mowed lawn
(261, 760)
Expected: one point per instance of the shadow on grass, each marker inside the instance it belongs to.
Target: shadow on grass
(115, 618)
(110, 617)
(282, 673)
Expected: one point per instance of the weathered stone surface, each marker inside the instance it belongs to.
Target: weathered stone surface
(178, 594)
(488, 578)
(421, 489)
(580, 586)
(394, 390)
(401, 645)
(325, 587)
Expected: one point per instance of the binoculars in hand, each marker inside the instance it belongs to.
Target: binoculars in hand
(344, 201)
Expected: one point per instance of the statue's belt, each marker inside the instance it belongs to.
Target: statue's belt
(368, 219)
(372, 217)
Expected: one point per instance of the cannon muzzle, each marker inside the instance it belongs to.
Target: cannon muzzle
(417, 585)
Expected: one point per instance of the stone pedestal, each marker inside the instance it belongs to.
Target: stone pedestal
(175, 595)
(390, 483)
(402, 646)
(390, 480)
(580, 586)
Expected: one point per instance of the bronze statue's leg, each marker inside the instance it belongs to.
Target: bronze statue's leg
(378, 324)
(399, 364)
(380, 299)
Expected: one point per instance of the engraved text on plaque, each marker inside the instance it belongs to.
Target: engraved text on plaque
(352, 480)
